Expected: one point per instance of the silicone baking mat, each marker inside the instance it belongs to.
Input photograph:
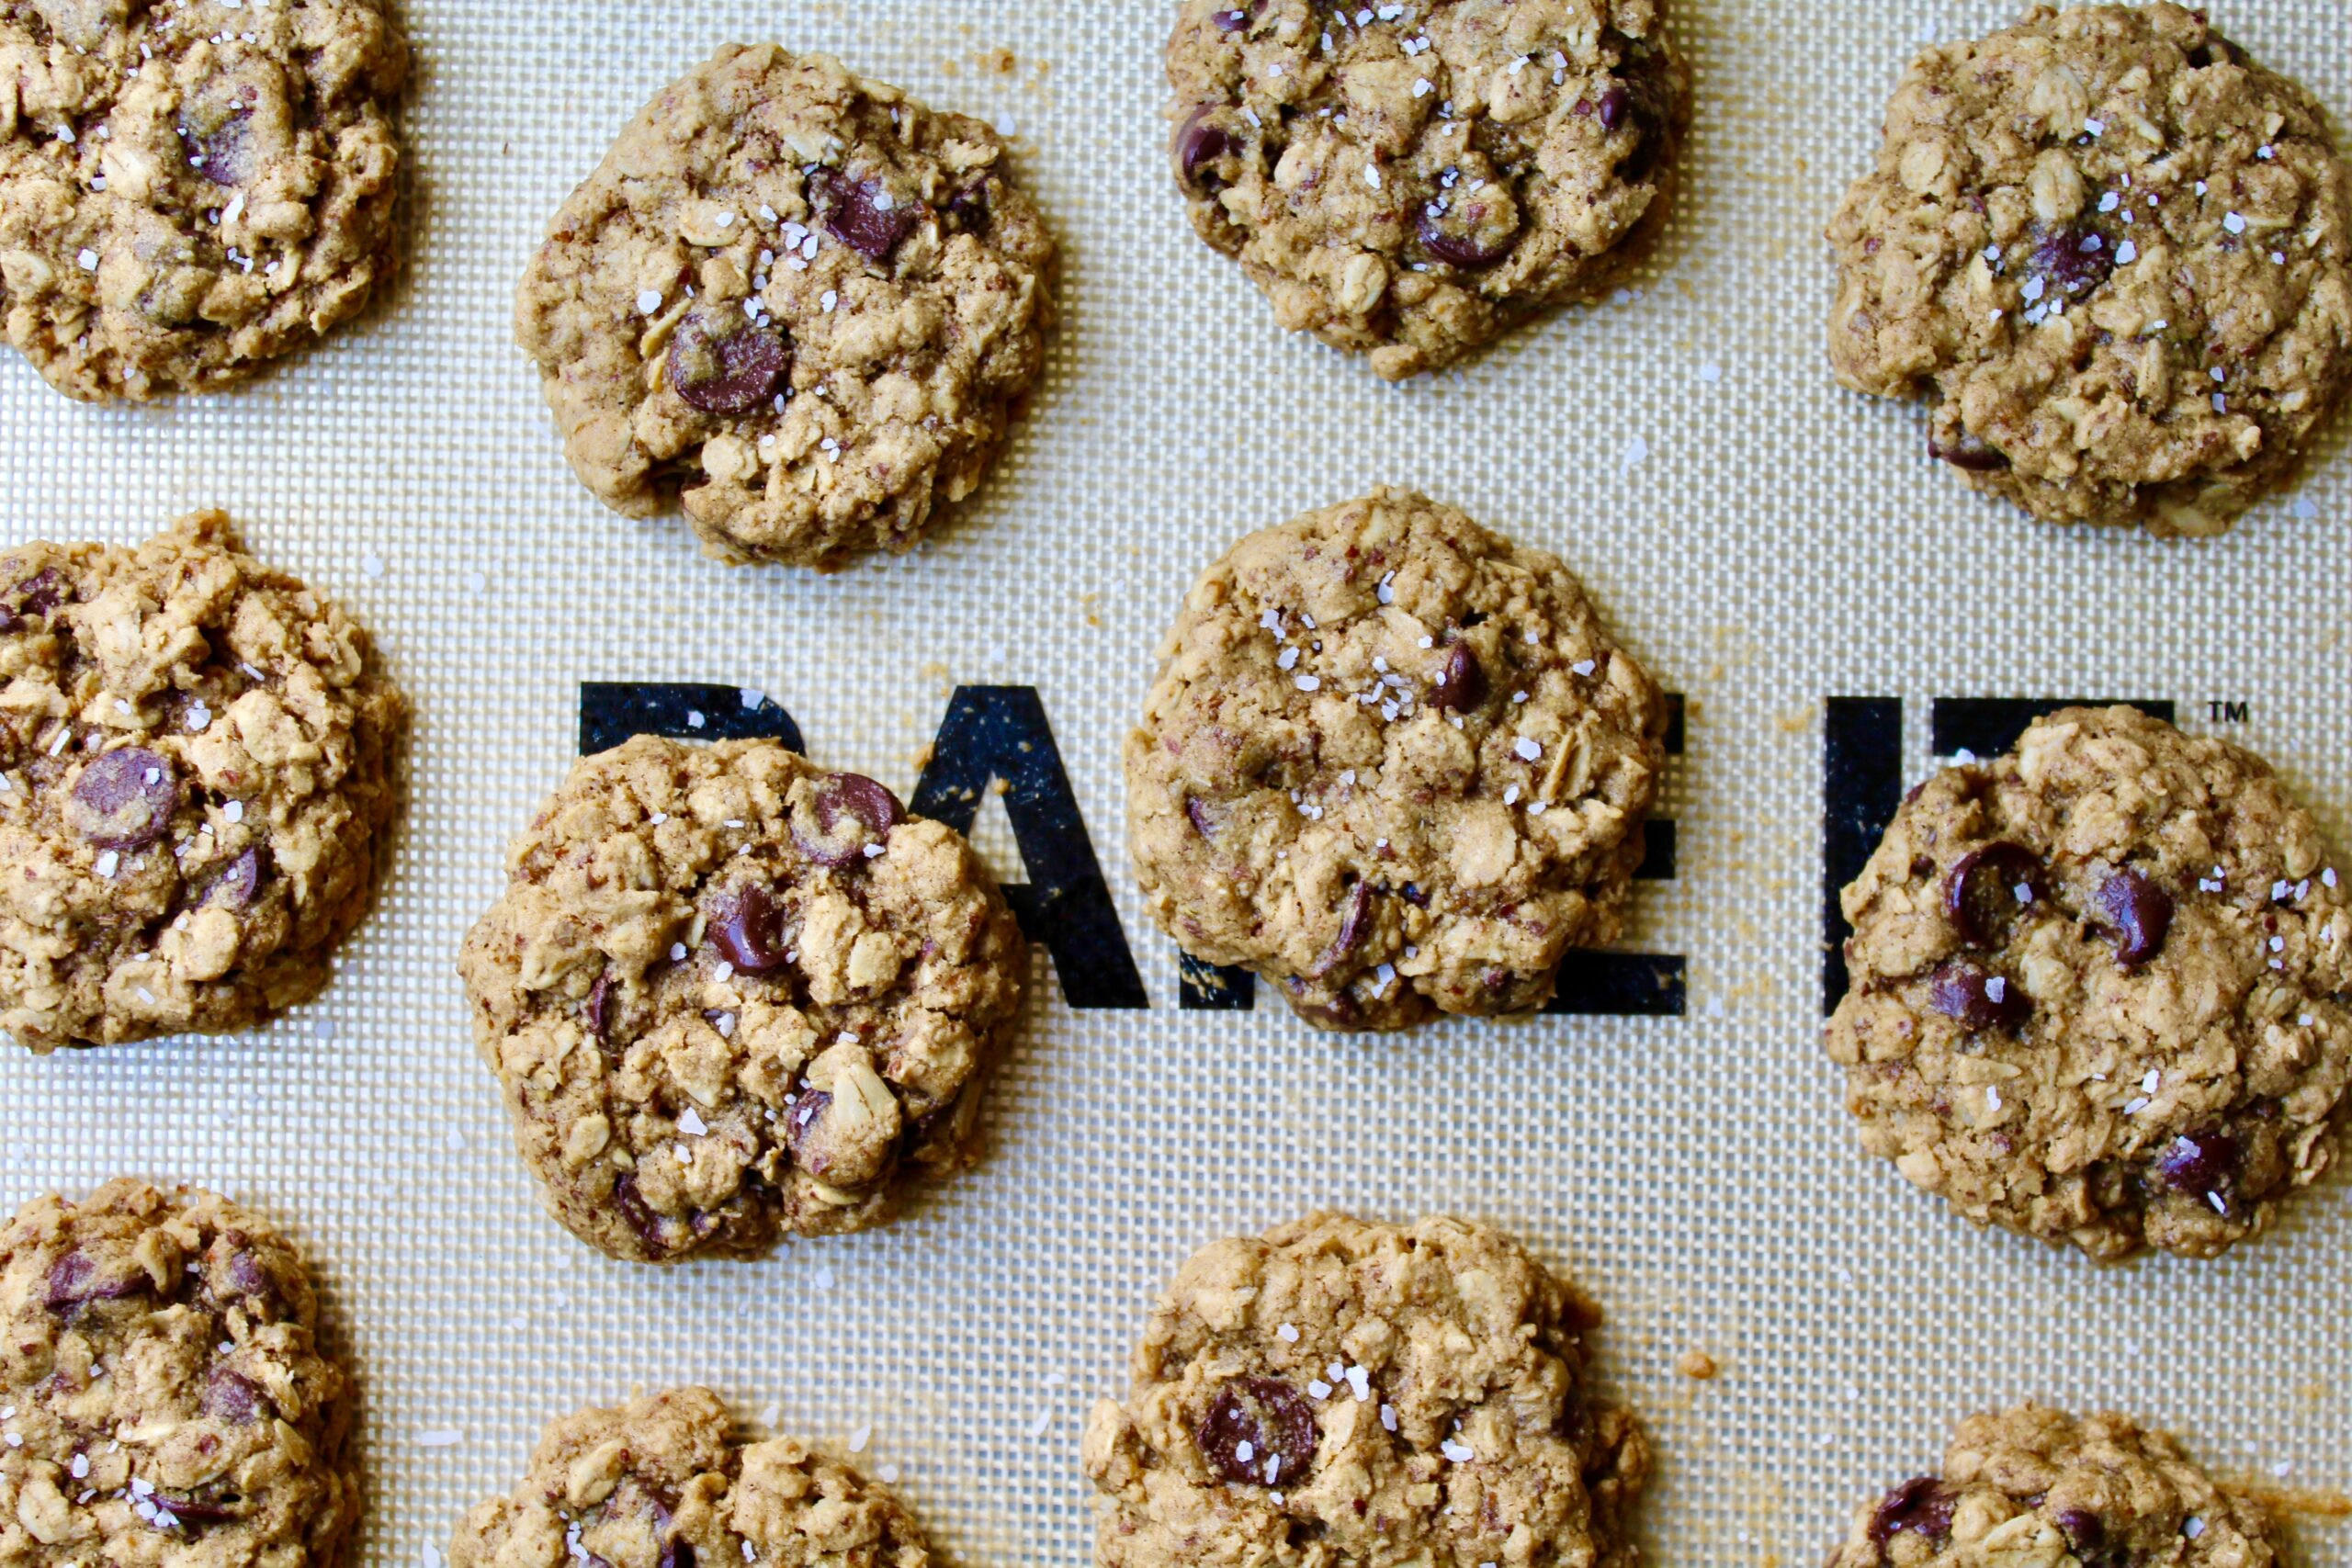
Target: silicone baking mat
(1764, 542)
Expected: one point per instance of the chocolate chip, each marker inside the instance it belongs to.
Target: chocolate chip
(2084, 1531)
(745, 930)
(967, 211)
(1454, 249)
(861, 215)
(1233, 21)
(1976, 1000)
(1200, 143)
(2137, 913)
(1258, 1432)
(33, 598)
(74, 1280)
(1981, 891)
(192, 1510)
(124, 799)
(807, 1112)
(244, 1276)
(229, 1396)
(2201, 1164)
(1355, 924)
(651, 1228)
(727, 372)
(239, 886)
(1462, 684)
(2070, 260)
(852, 812)
(1612, 107)
(1197, 810)
(1968, 454)
(600, 1002)
(1920, 1505)
(215, 143)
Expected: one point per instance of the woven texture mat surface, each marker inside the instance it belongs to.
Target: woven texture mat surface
(1763, 541)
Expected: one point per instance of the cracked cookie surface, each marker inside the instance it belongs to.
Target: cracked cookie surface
(190, 187)
(1394, 763)
(2114, 257)
(796, 300)
(664, 1482)
(1360, 1395)
(167, 1405)
(197, 767)
(2037, 1488)
(730, 997)
(2102, 988)
(1409, 181)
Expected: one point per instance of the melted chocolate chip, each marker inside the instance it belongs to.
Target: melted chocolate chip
(1612, 107)
(2137, 913)
(1456, 251)
(244, 1276)
(806, 1113)
(744, 928)
(215, 144)
(73, 1281)
(1976, 1000)
(852, 812)
(1981, 891)
(1462, 684)
(33, 598)
(1197, 811)
(1920, 1505)
(1355, 924)
(2084, 1531)
(2070, 261)
(650, 1227)
(729, 372)
(1234, 20)
(239, 886)
(124, 799)
(1200, 143)
(1968, 454)
(193, 1510)
(599, 1015)
(863, 215)
(2202, 1164)
(1258, 1432)
(231, 1397)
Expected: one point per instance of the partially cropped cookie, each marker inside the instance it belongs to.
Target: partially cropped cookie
(796, 299)
(1410, 182)
(665, 1482)
(1340, 1392)
(189, 188)
(2113, 256)
(197, 766)
(732, 997)
(166, 1403)
(1394, 763)
(2040, 1489)
(2102, 988)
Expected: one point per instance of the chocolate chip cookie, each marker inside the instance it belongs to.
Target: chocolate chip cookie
(730, 995)
(2039, 1489)
(166, 1401)
(797, 298)
(190, 187)
(197, 767)
(1394, 763)
(1410, 182)
(2114, 257)
(2102, 988)
(1340, 1392)
(664, 1482)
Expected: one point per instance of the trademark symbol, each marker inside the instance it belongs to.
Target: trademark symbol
(2222, 712)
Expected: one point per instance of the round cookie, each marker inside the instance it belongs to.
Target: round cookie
(732, 997)
(2114, 257)
(197, 761)
(166, 1401)
(663, 1482)
(2037, 1487)
(1340, 1392)
(1410, 182)
(799, 296)
(1393, 762)
(2100, 989)
(190, 187)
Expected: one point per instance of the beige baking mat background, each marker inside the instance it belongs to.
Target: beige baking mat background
(1761, 539)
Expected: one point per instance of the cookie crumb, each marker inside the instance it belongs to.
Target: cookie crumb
(1696, 1365)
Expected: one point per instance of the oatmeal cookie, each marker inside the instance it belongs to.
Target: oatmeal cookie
(730, 996)
(2034, 1488)
(1394, 763)
(190, 187)
(796, 298)
(664, 1482)
(1409, 181)
(166, 1405)
(2114, 257)
(1355, 1396)
(197, 767)
(2103, 989)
